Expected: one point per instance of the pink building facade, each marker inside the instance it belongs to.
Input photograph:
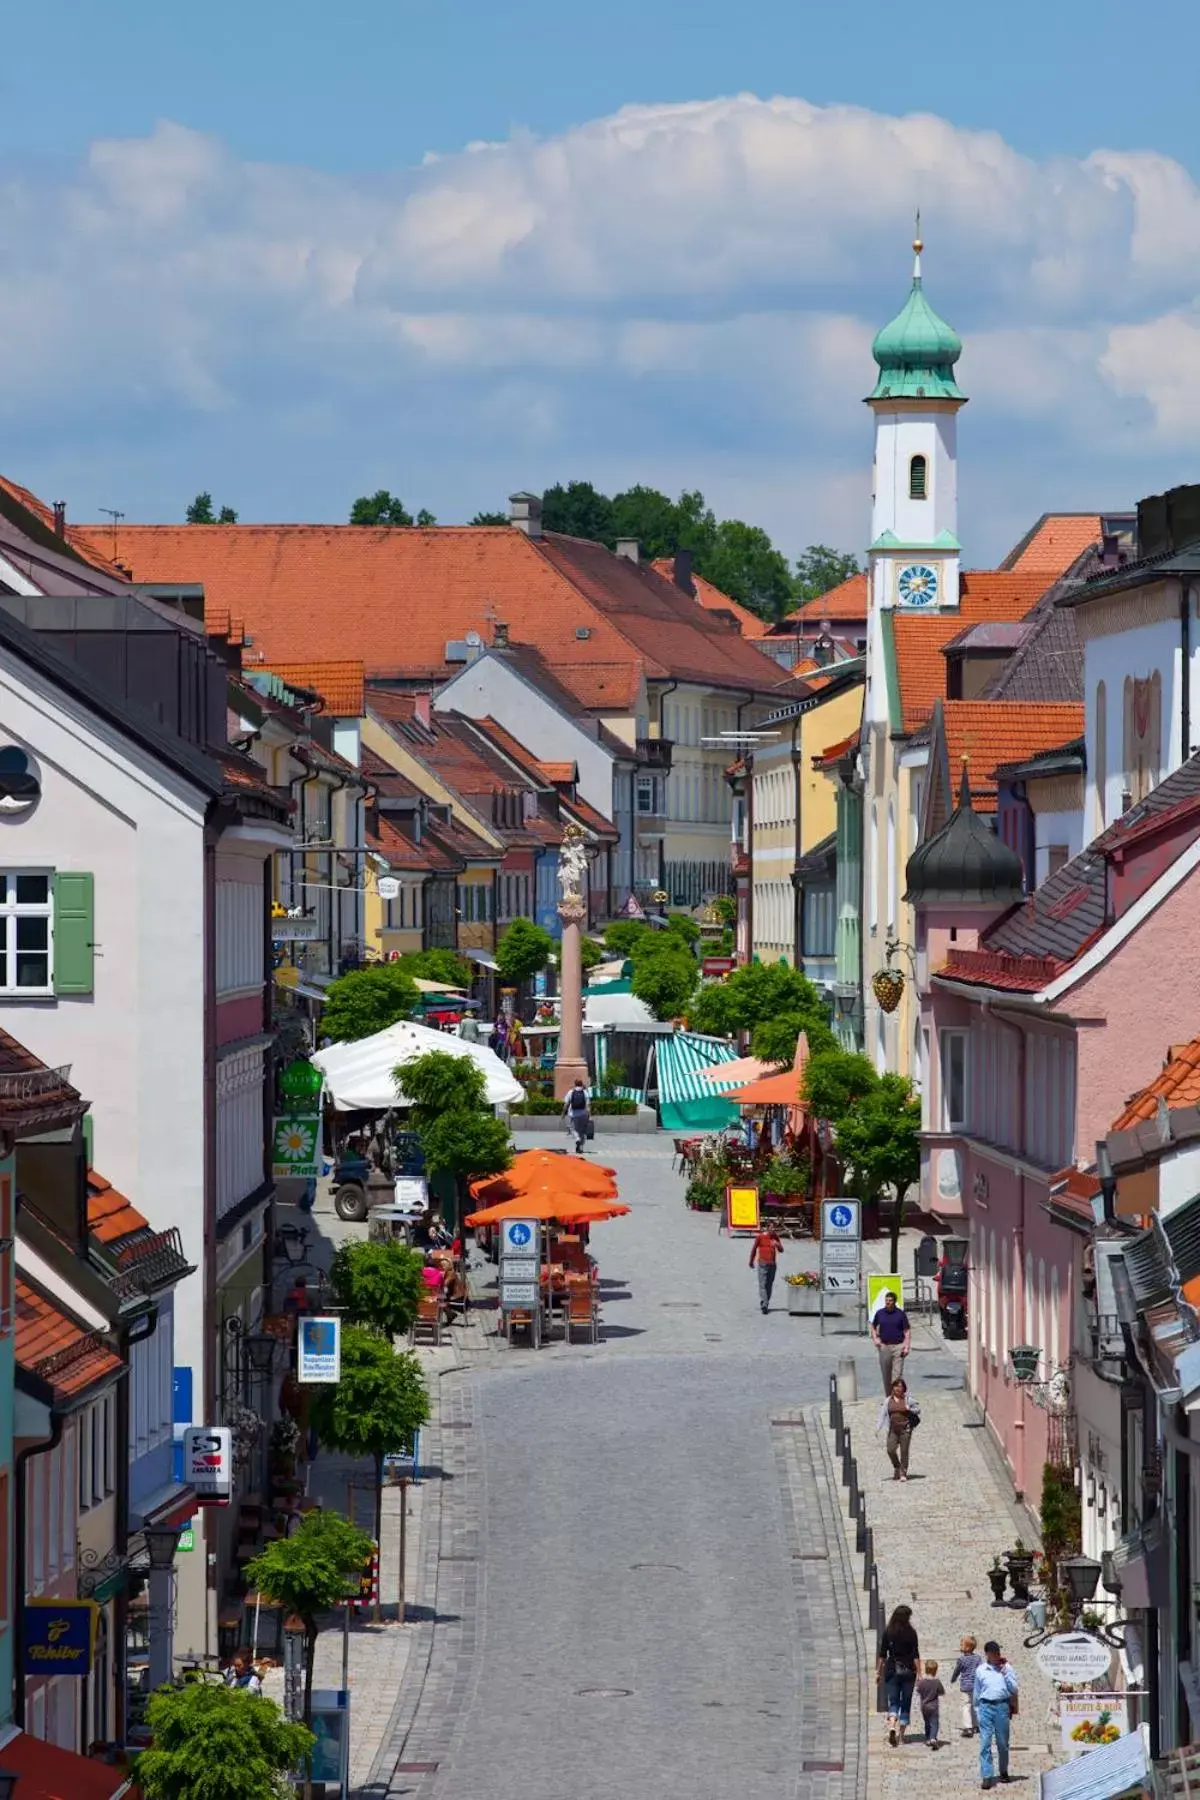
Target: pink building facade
(1036, 1030)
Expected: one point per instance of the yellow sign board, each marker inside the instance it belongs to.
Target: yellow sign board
(741, 1208)
(878, 1286)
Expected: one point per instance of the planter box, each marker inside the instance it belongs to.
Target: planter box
(806, 1301)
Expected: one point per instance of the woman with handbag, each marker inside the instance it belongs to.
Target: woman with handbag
(896, 1666)
(902, 1418)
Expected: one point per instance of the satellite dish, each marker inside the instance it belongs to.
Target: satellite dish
(473, 638)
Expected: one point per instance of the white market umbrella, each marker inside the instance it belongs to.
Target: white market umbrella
(358, 1076)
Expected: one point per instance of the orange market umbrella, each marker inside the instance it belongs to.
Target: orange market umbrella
(567, 1209)
(558, 1174)
(559, 1164)
(531, 1194)
(768, 1090)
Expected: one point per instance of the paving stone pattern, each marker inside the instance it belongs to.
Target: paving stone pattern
(934, 1539)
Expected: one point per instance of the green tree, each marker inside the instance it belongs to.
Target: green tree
(378, 1285)
(491, 518)
(380, 508)
(366, 1001)
(758, 992)
(219, 1742)
(834, 1080)
(309, 1572)
(683, 926)
(578, 510)
(425, 517)
(459, 1134)
(523, 950)
(200, 512)
(645, 514)
(879, 1143)
(590, 953)
(621, 936)
(725, 908)
(375, 1408)
(745, 564)
(435, 965)
(820, 569)
(774, 1040)
(437, 1083)
(665, 980)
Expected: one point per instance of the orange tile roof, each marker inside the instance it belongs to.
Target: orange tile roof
(558, 771)
(848, 600)
(712, 599)
(591, 817)
(341, 685)
(919, 637)
(110, 1215)
(396, 597)
(504, 741)
(834, 753)
(1055, 542)
(50, 1343)
(1178, 1085)
(76, 536)
(990, 732)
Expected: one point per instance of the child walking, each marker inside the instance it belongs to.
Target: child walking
(929, 1692)
(963, 1673)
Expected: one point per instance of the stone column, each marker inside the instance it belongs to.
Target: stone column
(570, 1064)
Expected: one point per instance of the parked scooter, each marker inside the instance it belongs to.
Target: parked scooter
(952, 1287)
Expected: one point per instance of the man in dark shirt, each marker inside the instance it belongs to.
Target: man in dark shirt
(891, 1335)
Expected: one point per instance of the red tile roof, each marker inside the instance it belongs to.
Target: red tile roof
(48, 1773)
(505, 742)
(110, 1215)
(847, 601)
(396, 597)
(340, 684)
(50, 1343)
(713, 600)
(833, 753)
(429, 857)
(987, 733)
(591, 818)
(559, 771)
(920, 637)
(1053, 544)
(91, 550)
(1178, 1085)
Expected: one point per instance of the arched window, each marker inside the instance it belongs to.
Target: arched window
(917, 471)
(1100, 757)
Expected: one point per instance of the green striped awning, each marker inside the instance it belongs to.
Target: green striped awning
(685, 1101)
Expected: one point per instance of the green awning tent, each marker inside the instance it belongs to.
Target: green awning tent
(685, 1102)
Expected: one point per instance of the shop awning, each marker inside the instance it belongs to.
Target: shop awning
(1105, 1773)
(48, 1773)
(686, 1102)
(484, 958)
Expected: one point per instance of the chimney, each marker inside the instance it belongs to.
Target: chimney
(823, 650)
(60, 518)
(683, 572)
(630, 549)
(421, 710)
(500, 635)
(525, 512)
(1110, 551)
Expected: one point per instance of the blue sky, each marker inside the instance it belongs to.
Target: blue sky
(248, 248)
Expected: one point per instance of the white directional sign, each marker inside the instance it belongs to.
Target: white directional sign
(841, 1219)
(839, 1281)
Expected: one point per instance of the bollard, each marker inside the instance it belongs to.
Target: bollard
(833, 1403)
(841, 1439)
(853, 1486)
(847, 1380)
(860, 1531)
(868, 1550)
(846, 1461)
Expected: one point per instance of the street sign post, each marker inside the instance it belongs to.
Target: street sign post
(841, 1251)
(520, 1270)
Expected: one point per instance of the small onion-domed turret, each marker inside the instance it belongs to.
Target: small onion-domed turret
(966, 864)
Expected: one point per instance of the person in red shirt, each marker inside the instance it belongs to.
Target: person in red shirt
(766, 1251)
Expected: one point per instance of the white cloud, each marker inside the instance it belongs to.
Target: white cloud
(670, 288)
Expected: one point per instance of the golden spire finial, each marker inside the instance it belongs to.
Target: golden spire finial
(918, 244)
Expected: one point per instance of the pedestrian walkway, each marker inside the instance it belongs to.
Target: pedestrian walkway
(934, 1540)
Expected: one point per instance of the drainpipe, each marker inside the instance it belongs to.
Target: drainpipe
(1019, 1447)
(1185, 675)
(57, 1421)
(126, 1339)
(748, 761)
(797, 896)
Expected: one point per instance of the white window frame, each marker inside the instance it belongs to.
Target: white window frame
(948, 1043)
(13, 910)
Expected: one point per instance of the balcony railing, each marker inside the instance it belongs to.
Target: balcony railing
(655, 753)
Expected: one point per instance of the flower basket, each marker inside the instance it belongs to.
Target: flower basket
(887, 986)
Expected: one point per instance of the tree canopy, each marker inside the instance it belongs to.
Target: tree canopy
(435, 965)
(666, 978)
(774, 1040)
(437, 1082)
(834, 1080)
(876, 1123)
(739, 558)
(460, 1136)
(490, 518)
(374, 1409)
(383, 508)
(755, 994)
(378, 1285)
(523, 950)
(200, 512)
(224, 1743)
(366, 1001)
(309, 1571)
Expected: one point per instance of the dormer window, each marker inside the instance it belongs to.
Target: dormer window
(917, 478)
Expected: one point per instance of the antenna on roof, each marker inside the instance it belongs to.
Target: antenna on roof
(112, 513)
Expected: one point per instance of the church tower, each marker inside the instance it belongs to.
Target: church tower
(914, 554)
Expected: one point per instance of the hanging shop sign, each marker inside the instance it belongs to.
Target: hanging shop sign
(59, 1637)
(1089, 1721)
(1073, 1656)
(319, 1343)
(208, 1461)
(296, 1147)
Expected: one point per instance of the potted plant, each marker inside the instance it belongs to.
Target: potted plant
(1020, 1568)
(998, 1576)
(804, 1292)
(783, 1180)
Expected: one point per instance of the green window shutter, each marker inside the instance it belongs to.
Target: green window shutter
(73, 949)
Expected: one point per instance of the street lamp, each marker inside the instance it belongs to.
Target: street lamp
(260, 1352)
(1081, 1573)
(162, 1541)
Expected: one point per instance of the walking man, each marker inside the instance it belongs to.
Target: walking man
(891, 1335)
(995, 1697)
(766, 1251)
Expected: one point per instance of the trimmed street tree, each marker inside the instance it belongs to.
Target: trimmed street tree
(367, 1000)
(523, 952)
(460, 1135)
(834, 1080)
(879, 1143)
(437, 1082)
(756, 994)
(376, 1408)
(378, 1285)
(222, 1743)
(435, 965)
(310, 1572)
(666, 978)
(774, 1040)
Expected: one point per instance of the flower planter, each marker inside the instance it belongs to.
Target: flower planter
(807, 1301)
(999, 1581)
(1020, 1569)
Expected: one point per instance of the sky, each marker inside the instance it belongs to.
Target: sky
(292, 254)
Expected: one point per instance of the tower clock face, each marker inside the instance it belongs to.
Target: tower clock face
(917, 585)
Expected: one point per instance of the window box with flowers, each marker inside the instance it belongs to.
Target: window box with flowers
(804, 1292)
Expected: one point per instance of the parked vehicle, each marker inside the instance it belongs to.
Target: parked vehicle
(952, 1275)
